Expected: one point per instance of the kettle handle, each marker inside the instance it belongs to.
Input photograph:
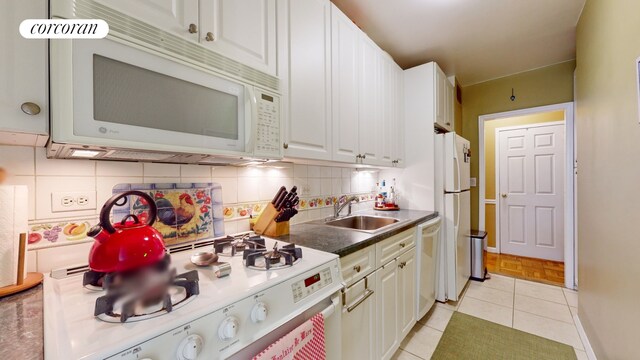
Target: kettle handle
(106, 209)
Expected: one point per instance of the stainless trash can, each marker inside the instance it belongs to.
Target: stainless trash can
(478, 259)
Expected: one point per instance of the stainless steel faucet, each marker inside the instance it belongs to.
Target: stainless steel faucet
(348, 201)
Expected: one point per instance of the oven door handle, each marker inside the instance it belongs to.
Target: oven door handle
(329, 310)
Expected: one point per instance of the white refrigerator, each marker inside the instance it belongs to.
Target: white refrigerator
(453, 201)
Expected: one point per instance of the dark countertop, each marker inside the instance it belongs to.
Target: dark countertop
(21, 325)
(342, 241)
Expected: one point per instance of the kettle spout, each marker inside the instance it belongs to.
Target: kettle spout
(99, 233)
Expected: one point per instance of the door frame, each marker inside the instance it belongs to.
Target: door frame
(569, 200)
(497, 169)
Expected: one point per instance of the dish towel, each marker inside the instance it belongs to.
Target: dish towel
(306, 342)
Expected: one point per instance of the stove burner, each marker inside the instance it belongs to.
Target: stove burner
(142, 293)
(236, 245)
(278, 258)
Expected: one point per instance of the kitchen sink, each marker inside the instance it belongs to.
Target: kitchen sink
(363, 222)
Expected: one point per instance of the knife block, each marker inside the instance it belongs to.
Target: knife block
(266, 223)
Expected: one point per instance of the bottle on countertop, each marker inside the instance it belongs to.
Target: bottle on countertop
(391, 198)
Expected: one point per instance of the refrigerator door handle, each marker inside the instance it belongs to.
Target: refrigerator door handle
(456, 174)
(456, 210)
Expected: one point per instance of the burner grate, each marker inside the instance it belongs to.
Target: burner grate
(139, 296)
(277, 258)
(236, 245)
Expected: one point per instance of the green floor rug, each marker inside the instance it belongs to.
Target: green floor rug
(467, 337)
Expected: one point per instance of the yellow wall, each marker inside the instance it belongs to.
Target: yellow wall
(545, 86)
(608, 139)
(490, 159)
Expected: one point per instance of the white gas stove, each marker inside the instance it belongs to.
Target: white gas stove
(232, 317)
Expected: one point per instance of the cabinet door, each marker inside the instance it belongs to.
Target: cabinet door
(398, 125)
(23, 76)
(345, 66)
(305, 51)
(441, 97)
(243, 30)
(408, 295)
(359, 320)
(174, 16)
(388, 103)
(387, 303)
(449, 111)
(370, 114)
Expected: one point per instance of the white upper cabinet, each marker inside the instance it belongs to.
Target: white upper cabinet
(370, 96)
(345, 37)
(444, 92)
(304, 33)
(397, 127)
(388, 134)
(24, 104)
(179, 17)
(243, 30)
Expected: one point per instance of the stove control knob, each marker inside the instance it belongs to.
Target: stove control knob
(259, 312)
(228, 329)
(190, 347)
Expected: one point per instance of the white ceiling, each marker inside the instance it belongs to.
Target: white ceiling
(476, 40)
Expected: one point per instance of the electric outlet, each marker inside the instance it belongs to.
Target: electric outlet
(306, 190)
(73, 201)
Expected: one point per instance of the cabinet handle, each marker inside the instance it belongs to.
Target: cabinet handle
(285, 145)
(402, 245)
(367, 294)
(448, 123)
(357, 268)
(193, 28)
(209, 36)
(30, 108)
(364, 156)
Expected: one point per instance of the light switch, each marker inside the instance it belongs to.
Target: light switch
(472, 182)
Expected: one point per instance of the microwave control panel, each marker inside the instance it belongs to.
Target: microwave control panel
(268, 125)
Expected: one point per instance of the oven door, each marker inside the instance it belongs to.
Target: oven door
(117, 94)
(330, 309)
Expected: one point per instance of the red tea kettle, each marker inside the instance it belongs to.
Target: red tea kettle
(129, 244)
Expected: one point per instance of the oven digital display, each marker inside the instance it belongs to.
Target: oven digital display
(312, 280)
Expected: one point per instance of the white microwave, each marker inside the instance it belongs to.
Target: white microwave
(119, 100)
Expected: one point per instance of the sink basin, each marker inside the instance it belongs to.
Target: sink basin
(363, 222)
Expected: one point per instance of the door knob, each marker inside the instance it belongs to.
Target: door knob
(193, 28)
(504, 195)
(209, 36)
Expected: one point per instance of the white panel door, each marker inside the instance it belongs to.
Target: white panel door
(345, 36)
(244, 30)
(531, 191)
(179, 17)
(305, 72)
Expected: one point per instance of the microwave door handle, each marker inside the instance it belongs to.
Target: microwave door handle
(251, 121)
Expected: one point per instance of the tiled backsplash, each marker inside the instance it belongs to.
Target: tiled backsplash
(242, 188)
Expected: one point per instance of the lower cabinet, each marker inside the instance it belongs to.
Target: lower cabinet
(407, 272)
(379, 310)
(387, 300)
(359, 319)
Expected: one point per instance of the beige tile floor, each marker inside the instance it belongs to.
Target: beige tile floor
(540, 309)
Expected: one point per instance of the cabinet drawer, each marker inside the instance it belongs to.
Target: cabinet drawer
(390, 248)
(357, 265)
